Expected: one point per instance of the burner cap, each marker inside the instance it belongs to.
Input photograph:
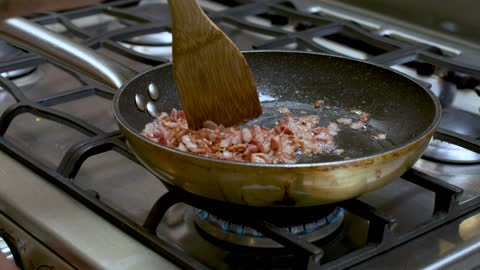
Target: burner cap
(154, 12)
(245, 236)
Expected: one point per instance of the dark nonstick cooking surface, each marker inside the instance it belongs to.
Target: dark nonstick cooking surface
(399, 108)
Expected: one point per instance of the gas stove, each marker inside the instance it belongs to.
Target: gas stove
(73, 196)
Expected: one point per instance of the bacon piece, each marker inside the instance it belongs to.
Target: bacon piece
(345, 121)
(227, 155)
(225, 142)
(364, 117)
(174, 115)
(318, 103)
(187, 141)
(291, 136)
(182, 147)
(379, 136)
(237, 138)
(210, 125)
(357, 125)
(283, 110)
(246, 135)
(275, 143)
(333, 128)
(251, 149)
(260, 158)
(161, 138)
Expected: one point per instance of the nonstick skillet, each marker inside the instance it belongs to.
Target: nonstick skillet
(401, 108)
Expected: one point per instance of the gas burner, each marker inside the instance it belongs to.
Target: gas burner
(155, 44)
(462, 122)
(7, 52)
(156, 12)
(245, 236)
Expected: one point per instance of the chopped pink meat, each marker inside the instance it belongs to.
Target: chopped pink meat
(379, 136)
(260, 158)
(357, 125)
(364, 117)
(318, 103)
(333, 128)
(345, 121)
(246, 135)
(291, 136)
(283, 110)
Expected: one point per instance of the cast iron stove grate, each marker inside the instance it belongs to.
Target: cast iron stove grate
(382, 50)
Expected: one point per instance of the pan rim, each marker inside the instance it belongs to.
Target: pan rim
(431, 128)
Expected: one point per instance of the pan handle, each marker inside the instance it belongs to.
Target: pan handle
(64, 52)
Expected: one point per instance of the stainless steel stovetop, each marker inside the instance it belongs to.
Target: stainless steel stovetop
(72, 198)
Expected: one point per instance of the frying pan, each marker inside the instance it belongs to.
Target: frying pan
(402, 109)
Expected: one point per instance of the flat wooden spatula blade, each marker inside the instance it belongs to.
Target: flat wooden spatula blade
(213, 78)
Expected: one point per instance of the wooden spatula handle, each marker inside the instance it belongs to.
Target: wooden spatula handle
(187, 26)
(212, 77)
(185, 12)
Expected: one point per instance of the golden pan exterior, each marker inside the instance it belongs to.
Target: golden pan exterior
(276, 185)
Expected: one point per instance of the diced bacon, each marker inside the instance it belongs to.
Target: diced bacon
(322, 136)
(264, 146)
(160, 137)
(181, 115)
(170, 124)
(283, 110)
(182, 147)
(364, 117)
(260, 158)
(345, 121)
(287, 126)
(163, 115)
(251, 148)
(210, 125)
(275, 143)
(289, 138)
(319, 130)
(225, 142)
(174, 115)
(357, 125)
(333, 128)
(379, 136)
(237, 138)
(238, 148)
(309, 121)
(227, 155)
(256, 132)
(287, 145)
(318, 103)
(246, 135)
(187, 141)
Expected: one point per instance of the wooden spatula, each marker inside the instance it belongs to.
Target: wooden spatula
(212, 77)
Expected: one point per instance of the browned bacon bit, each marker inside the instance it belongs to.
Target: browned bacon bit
(364, 117)
(283, 110)
(357, 125)
(318, 103)
(291, 136)
(345, 121)
(333, 128)
(379, 136)
(260, 158)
